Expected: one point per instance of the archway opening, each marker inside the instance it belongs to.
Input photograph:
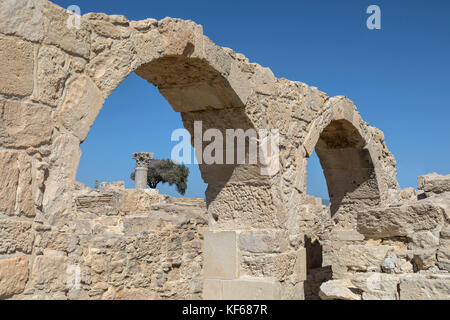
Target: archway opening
(134, 118)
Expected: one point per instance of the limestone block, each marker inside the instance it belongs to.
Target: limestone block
(251, 289)
(181, 37)
(49, 272)
(21, 18)
(346, 235)
(263, 241)
(378, 296)
(24, 124)
(52, 74)
(293, 292)
(212, 289)
(220, 254)
(109, 30)
(434, 183)
(59, 185)
(138, 201)
(424, 258)
(444, 255)
(418, 287)
(338, 290)
(300, 268)
(424, 239)
(112, 66)
(81, 106)
(149, 45)
(15, 236)
(66, 36)
(400, 221)
(282, 266)
(9, 181)
(375, 283)
(16, 67)
(263, 81)
(13, 276)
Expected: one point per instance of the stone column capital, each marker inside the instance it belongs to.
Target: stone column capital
(142, 158)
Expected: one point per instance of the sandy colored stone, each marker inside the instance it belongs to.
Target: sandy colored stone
(13, 276)
(220, 255)
(251, 289)
(416, 287)
(49, 272)
(74, 40)
(52, 75)
(22, 18)
(400, 220)
(16, 236)
(81, 105)
(24, 124)
(338, 290)
(434, 183)
(16, 67)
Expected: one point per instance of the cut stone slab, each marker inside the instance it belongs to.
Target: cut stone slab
(252, 289)
(220, 255)
(338, 290)
(16, 67)
(400, 221)
(13, 276)
(434, 183)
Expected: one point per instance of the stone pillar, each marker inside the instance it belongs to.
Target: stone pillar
(142, 160)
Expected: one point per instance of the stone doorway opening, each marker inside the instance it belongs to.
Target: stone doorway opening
(352, 185)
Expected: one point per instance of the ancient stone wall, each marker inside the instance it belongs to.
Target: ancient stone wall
(117, 244)
(398, 251)
(53, 82)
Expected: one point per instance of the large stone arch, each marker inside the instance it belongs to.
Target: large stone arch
(67, 73)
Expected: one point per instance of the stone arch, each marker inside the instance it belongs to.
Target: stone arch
(357, 172)
(67, 73)
(199, 79)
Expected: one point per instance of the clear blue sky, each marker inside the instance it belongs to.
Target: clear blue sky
(399, 76)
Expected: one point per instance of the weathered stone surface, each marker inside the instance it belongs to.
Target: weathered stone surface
(434, 183)
(9, 181)
(13, 276)
(133, 245)
(16, 67)
(251, 289)
(264, 241)
(338, 290)
(22, 18)
(362, 257)
(417, 287)
(49, 272)
(220, 255)
(81, 105)
(52, 74)
(424, 258)
(24, 124)
(74, 40)
(424, 239)
(59, 185)
(400, 221)
(212, 289)
(15, 236)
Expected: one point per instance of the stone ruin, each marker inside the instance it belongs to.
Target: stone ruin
(257, 237)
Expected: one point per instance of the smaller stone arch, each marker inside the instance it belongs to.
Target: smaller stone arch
(358, 168)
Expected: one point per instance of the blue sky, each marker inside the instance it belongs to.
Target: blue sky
(399, 76)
